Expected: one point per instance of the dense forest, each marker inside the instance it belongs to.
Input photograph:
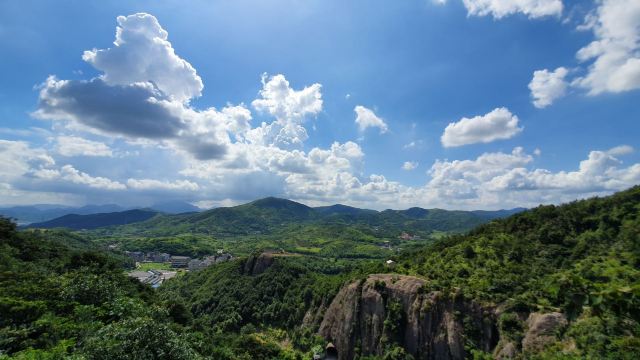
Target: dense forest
(554, 282)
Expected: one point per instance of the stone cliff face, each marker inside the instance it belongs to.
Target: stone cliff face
(369, 315)
(542, 329)
(256, 265)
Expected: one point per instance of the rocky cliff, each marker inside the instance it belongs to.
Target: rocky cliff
(256, 265)
(371, 316)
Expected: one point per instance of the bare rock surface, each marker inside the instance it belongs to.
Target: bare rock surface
(256, 265)
(427, 325)
(542, 330)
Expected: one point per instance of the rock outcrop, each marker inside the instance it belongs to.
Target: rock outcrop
(367, 316)
(542, 330)
(507, 351)
(256, 265)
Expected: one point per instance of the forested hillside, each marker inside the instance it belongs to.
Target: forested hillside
(273, 224)
(581, 259)
(578, 262)
(62, 298)
(551, 282)
(270, 214)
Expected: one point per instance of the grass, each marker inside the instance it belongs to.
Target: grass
(146, 266)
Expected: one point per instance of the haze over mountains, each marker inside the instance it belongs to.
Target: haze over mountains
(267, 213)
(93, 221)
(28, 214)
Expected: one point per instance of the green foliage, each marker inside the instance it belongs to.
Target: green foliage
(277, 224)
(511, 327)
(225, 298)
(581, 259)
(62, 296)
(136, 339)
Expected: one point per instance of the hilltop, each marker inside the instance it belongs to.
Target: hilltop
(547, 282)
(271, 213)
(280, 224)
(554, 279)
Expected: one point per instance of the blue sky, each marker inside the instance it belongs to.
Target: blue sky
(463, 104)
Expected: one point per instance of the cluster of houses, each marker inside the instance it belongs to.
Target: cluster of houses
(179, 261)
(196, 264)
(153, 256)
(154, 278)
(406, 236)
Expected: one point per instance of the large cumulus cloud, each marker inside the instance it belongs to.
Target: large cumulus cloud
(143, 93)
(289, 107)
(143, 53)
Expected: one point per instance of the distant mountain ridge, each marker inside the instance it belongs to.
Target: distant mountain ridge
(93, 221)
(39, 213)
(29, 214)
(268, 214)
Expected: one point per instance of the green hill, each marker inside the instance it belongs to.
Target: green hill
(280, 224)
(270, 214)
(578, 262)
(554, 282)
(62, 298)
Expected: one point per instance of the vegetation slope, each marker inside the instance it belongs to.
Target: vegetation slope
(60, 296)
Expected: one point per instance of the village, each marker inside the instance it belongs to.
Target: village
(154, 267)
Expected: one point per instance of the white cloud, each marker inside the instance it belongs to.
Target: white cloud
(30, 132)
(620, 150)
(251, 168)
(77, 146)
(152, 184)
(409, 165)
(69, 173)
(143, 96)
(484, 168)
(501, 8)
(498, 124)
(18, 158)
(142, 53)
(281, 101)
(547, 86)
(600, 172)
(615, 52)
(412, 144)
(290, 108)
(496, 180)
(19, 163)
(216, 156)
(366, 118)
(612, 59)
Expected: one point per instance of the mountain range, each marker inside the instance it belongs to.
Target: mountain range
(28, 214)
(269, 213)
(93, 221)
(553, 282)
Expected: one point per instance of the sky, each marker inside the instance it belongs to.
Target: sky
(456, 104)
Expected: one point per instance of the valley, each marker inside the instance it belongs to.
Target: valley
(542, 282)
